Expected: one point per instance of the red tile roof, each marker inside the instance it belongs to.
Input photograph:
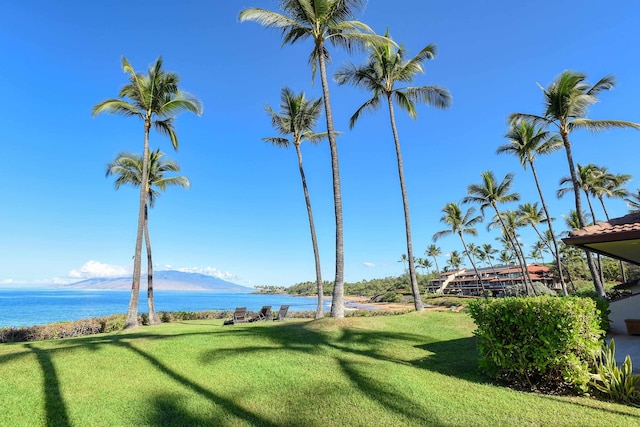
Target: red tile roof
(623, 228)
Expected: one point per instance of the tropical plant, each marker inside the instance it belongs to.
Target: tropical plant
(434, 251)
(322, 21)
(460, 224)
(156, 99)
(385, 67)
(297, 119)
(567, 100)
(527, 141)
(127, 167)
(618, 383)
(490, 193)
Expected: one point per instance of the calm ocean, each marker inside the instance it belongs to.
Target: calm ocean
(40, 306)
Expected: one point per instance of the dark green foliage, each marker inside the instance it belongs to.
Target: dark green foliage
(613, 382)
(538, 343)
(519, 290)
(387, 286)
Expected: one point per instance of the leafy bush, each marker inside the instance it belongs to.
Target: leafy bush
(616, 383)
(538, 343)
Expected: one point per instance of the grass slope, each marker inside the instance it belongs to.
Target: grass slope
(415, 369)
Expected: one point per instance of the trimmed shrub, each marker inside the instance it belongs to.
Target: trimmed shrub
(538, 343)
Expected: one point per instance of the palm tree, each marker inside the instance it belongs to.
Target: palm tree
(490, 193)
(633, 202)
(385, 67)
(460, 224)
(526, 141)
(297, 118)
(156, 99)
(488, 252)
(424, 263)
(128, 169)
(567, 101)
(455, 261)
(606, 184)
(587, 177)
(433, 251)
(322, 21)
(403, 259)
(505, 257)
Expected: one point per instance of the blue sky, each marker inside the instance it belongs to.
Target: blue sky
(244, 217)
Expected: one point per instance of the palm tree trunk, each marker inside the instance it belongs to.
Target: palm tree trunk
(337, 302)
(132, 312)
(623, 274)
(415, 289)
(576, 192)
(593, 217)
(314, 241)
(528, 285)
(153, 316)
(473, 264)
(556, 250)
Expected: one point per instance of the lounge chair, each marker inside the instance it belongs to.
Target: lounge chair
(263, 314)
(282, 313)
(239, 316)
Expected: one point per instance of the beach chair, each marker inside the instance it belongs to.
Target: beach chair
(239, 316)
(263, 314)
(282, 313)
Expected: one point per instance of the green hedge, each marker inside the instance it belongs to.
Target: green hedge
(540, 343)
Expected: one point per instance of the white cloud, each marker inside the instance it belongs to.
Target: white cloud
(369, 264)
(97, 269)
(207, 271)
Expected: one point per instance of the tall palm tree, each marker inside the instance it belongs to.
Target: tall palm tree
(587, 177)
(128, 169)
(156, 99)
(460, 224)
(323, 22)
(490, 193)
(526, 141)
(385, 68)
(297, 119)
(434, 251)
(567, 101)
(606, 184)
(488, 252)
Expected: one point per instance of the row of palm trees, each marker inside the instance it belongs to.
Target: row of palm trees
(156, 99)
(331, 22)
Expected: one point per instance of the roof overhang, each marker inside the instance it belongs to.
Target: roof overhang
(617, 238)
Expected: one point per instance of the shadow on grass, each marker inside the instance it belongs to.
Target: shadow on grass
(455, 358)
(55, 408)
(392, 400)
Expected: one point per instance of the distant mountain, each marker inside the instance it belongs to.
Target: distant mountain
(164, 280)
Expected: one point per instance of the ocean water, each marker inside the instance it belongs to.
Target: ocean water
(41, 306)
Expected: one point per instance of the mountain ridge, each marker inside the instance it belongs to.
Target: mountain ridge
(163, 280)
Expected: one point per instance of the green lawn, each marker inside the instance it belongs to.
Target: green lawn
(414, 369)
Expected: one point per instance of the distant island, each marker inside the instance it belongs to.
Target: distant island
(166, 280)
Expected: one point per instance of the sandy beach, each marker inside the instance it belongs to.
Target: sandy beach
(363, 303)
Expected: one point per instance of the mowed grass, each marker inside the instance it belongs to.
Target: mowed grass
(418, 369)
